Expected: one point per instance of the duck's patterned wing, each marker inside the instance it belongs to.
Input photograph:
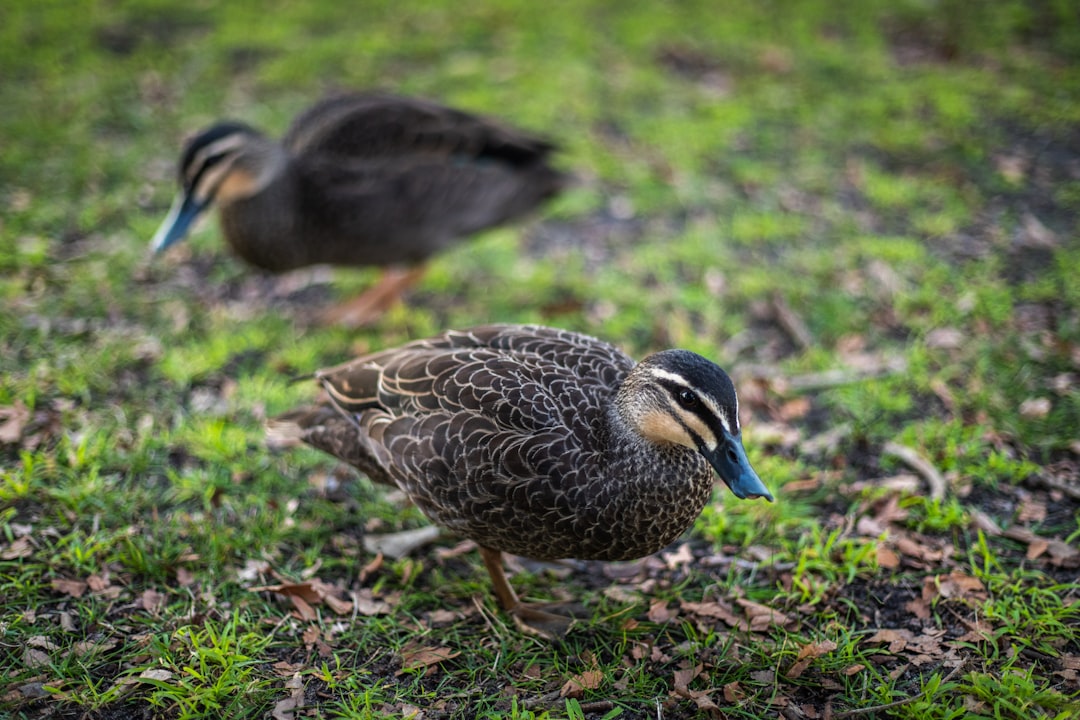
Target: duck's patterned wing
(485, 427)
(375, 125)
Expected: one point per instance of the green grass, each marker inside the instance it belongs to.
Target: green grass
(900, 176)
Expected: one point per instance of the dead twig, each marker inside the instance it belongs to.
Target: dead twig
(889, 706)
(791, 323)
(825, 379)
(1053, 483)
(911, 457)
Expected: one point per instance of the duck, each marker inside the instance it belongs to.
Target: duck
(360, 179)
(535, 441)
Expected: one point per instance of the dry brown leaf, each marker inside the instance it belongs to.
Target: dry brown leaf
(897, 639)
(304, 611)
(368, 605)
(945, 338)
(303, 590)
(918, 607)
(13, 419)
(1031, 511)
(1035, 408)
(40, 641)
(1036, 548)
(762, 616)
(682, 556)
(620, 594)
(184, 577)
(733, 692)
(807, 654)
(89, 647)
(413, 656)
(442, 617)
(284, 668)
(97, 583)
(659, 612)
(716, 610)
(371, 568)
(19, 549)
(284, 709)
(853, 669)
(955, 585)
(794, 409)
(152, 601)
(684, 676)
(74, 588)
(869, 527)
(886, 558)
(311, 634)
(338, 605)
(576, 686)
(34, 658)
(159, 674)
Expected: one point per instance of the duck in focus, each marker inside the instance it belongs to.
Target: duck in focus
(360, 179)
(535, 441)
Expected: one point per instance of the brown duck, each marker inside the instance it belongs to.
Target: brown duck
(361, 179)
(540, 442)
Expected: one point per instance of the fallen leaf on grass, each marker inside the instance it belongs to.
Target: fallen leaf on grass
(762, 616)
(284, 709)
(955, 585)
(304, 611)
(576, 686)
(684, 676)
(897, 639)
(40, 641)
(682, 556)
(414, 656)
(886, 558)
(13, 419)
(911, 548)
(733, 692)
(91, 647)
(19, 549)
(659, 612)
(152, 601)
(284, 668)
(1061, 553)
(74, 588)
(34, 658)
(159, 674)
(716, 610)
(807, 654)
(368, 605)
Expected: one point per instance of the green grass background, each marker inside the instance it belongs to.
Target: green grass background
(904, 175)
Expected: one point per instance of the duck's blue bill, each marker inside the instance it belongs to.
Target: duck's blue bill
(734, 469)
(183, 213)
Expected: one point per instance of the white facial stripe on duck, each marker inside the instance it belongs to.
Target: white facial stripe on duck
(707, 407)
(205, 170)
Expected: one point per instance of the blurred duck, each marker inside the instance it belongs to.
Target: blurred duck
(539, 442)
(360, 179)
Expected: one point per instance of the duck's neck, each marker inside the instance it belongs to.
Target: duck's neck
(260, 226)
(656, 491)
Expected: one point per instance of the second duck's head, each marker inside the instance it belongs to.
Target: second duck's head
(676, 397)
(222, 164)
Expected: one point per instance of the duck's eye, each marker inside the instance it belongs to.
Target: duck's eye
(687, 398)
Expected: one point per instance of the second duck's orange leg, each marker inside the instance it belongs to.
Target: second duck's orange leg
(375, 301)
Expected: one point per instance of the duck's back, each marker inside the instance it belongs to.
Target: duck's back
(382, 180)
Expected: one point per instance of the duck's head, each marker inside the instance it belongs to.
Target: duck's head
(677, 397)
(224, 163)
